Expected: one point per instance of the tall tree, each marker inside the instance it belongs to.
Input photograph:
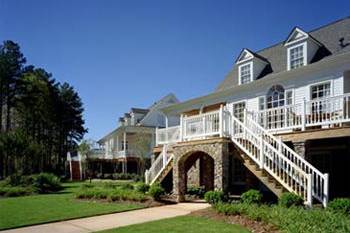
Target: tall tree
(11, 64)
(41, 119)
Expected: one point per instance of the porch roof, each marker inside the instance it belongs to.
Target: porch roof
(127, 129)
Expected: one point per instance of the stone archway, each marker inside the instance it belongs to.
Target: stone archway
(199, 170)
(214, 155)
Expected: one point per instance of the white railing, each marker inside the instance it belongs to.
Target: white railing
(97, 154)
(158, 166)
(168, 135)
(320, 112)
(329, 110)
(203, 125)
(286, 166)
(124, 153)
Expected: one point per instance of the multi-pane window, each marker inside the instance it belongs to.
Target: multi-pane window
(126, 145)
(261, 103)
(296, 57)
(320, 91)
(289, 97)
(275, 97)
(238, 110)
(245, 73)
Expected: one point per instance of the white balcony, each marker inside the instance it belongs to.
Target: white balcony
(200, 126)
(124, 154)
(321, 112)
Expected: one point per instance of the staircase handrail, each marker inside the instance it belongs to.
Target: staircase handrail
(319, 179)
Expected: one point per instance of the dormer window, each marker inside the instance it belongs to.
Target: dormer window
(301, 48)
(245, 73)
(296, 56)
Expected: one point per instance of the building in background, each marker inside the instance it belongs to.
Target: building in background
(128, 148)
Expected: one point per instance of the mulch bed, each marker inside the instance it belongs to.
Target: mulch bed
(147, 203)
(253, 226)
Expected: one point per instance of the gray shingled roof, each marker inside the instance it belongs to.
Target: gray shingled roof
(328, 35)
(139, 110)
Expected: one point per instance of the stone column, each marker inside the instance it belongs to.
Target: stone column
(221, 167)
(301, 149)
(179, 180)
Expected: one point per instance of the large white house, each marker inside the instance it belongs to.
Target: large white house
(131, 143)
(278, 121)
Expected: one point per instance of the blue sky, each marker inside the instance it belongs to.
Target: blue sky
(122, 54)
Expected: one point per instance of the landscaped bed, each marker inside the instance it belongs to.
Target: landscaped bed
(121, 192)
(289, 215)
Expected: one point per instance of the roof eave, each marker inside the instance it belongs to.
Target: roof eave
(186, 105)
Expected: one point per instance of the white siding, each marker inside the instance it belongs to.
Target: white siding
(338, 86)
(252, 104)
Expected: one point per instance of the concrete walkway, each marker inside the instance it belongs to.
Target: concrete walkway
(109, 221)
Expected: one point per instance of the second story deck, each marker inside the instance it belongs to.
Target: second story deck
(325, 113)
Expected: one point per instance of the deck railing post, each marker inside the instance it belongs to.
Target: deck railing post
(303, 116)
(181, 127)
(325, 190)
(261, 165)
(309, 190)
(146, 177)
(221, 119)
(164, 155)
(157, 140)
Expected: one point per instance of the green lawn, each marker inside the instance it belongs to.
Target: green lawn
(28, 210)
(188, 224)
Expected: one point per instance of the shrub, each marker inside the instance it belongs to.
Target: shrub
(107, 176)
(290, 199)
(196, 191)
(252, 196)
(27, 180)
(138, 178)
(294, 219)
(141, 187)
(341, 205)
(46, 183)
(14, 180)
(156, 191)
(127, 186)
(123, 195)
(214, 197)
(16, 191)
(123, 176)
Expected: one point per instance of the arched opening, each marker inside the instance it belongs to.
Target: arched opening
(275, 97)
(197, 170)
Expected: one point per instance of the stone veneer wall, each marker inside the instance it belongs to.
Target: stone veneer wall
(218, 149)
(193, 175)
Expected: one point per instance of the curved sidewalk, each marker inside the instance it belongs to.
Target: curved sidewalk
(108, 221)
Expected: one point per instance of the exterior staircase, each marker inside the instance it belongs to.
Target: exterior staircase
(267, 157)
(273, 185)
(160, 167)
(273, 161)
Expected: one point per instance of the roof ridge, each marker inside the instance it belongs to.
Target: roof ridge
(309, 31)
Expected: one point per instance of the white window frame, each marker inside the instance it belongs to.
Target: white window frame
(264, 102)
(321, 83)
(285, 97)
(251, 72)
(238, 102)
(304, 44)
